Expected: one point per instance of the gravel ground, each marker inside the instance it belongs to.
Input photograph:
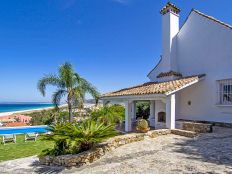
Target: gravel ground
(208, 153)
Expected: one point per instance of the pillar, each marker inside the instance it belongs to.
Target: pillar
(152, 113)
(133, 111)
(170, 111)
(128, 107)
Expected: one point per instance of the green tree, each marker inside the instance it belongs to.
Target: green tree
(143, 110)
(70, 85)
(109, 114)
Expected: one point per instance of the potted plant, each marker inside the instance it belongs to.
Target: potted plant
(142, 126)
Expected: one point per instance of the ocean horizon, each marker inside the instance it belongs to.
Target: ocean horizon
(21, 106)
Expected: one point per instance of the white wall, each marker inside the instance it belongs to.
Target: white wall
(204, 46)
(160, 106)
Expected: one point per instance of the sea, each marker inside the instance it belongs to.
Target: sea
(12, 107)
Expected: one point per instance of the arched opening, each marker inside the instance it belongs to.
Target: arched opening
(162, 117)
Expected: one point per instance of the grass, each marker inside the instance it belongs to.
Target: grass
(21, 149)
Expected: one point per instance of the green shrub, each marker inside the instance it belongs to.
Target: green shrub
(88, 133)
(48, 117)
(60, 138)
(142, 125)
(71, 138)
(109, 114)
(143, 110)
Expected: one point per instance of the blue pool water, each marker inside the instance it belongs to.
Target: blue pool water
(22, 130)
(10, 107)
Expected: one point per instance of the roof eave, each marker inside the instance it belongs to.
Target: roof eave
(185, 86)
(137, 97)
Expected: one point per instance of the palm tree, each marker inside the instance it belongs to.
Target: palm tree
(70, 85)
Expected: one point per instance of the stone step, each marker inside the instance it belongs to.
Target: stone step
(184, 133)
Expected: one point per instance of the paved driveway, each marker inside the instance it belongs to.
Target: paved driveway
(208, 153)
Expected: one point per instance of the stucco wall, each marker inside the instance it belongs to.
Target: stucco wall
(204, 46)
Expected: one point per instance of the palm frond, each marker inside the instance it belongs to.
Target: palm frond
(56, 97)
(87, 87)
(49, 80)
(66, 73)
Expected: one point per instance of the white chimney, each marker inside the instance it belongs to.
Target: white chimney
(170, 27)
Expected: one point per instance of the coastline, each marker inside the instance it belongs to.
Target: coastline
(28, 111)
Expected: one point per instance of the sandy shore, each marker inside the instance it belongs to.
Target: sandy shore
(28, 111)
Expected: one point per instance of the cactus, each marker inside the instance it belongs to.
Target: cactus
(142, 125)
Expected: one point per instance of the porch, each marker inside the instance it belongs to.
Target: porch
(161, 96)
(161, 112)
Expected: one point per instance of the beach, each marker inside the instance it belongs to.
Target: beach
(28, 111)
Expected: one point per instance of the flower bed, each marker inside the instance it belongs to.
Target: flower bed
(98, 151)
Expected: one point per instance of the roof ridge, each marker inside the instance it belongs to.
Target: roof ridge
(212, 18)
(136, 86)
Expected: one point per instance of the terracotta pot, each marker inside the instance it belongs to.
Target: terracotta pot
(144, 130)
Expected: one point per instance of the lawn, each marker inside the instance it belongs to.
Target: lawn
(22, 149)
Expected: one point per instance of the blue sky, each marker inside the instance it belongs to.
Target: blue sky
(112, 43)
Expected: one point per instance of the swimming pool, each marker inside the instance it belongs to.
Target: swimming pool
(22, 130)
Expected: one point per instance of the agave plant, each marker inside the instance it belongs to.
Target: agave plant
(88, 133)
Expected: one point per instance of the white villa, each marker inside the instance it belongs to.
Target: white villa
(193, 79)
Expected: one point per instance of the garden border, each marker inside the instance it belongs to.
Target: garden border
(101, 149)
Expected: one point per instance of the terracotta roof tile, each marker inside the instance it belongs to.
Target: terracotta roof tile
(16, 124)
(155, 88)
(170, 73)
(169, 6)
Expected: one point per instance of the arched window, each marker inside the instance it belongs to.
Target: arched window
(162, 117)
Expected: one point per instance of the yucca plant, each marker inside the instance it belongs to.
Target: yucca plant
(89, 132)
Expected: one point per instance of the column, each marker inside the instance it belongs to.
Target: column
(128, 107)
(152, 113)
(170, 111)
(133, 111)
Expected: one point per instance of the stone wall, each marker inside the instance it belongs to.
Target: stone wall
(197, 127)
(102, 148)
(184, 133)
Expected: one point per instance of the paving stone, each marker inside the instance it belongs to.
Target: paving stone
(206, 153)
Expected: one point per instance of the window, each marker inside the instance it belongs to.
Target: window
(162, 117)
(225, 92)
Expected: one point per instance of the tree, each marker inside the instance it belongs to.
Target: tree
(109, 114)
(143, 110)
(70, 85)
